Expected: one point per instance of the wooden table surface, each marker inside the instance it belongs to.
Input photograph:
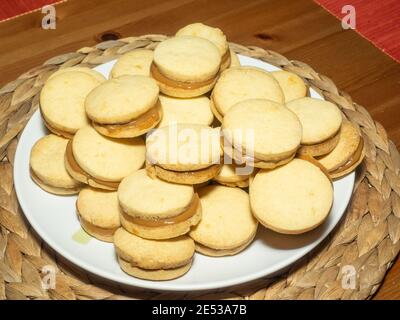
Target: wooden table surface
(299, 29)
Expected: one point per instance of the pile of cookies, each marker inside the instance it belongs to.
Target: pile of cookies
(184, 150)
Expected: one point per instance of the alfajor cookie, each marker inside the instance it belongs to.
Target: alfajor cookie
(136, 62)
(97, 75)
(103, 162)
(298, 205)
(242, 83)
(232, 175)
(156, 209)
(62, 101)
(321, 121)
(215, 35)
(261, 133)
(153, 259)
(124, 107)
(184, 153)
(192, 110)
(98, 212)
(292, 85)
(47, 167)
(185, 66)
(347, 154)
(227, 225)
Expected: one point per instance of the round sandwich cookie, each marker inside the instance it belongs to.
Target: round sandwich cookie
(47, 167)
(124, 107)
(156, 209)
(227, 225)
(262, 133)
(153, 259)
(242, 83)
(215, 35)
(232, 175)
(292, 85)
(98, 212)
(347, 154)
(97, 75)
(321, 121)
(234, 59)
(299, 205)
(184, 153)
(103, 162)
(185, 66)
(136, 62)
(62, 101)
(192, 110)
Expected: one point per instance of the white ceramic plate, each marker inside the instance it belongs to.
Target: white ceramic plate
(54, 219)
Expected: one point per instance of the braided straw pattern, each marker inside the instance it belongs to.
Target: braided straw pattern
(367, 238)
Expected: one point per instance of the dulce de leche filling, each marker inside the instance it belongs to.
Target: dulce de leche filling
(158, 76)
(58, 132)
(189, 212)
(145, 121)
(75, 166)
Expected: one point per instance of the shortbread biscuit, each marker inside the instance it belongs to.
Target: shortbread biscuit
(62, 101)
(215, 35)
(348, 153)
(155, 209)
(320, 119)
(185, 66)
(242, 83)
(232, 175)
(184, 153)
(262, 131)
(292, 85)
(98, 212)
(47, 167)
(299, 205)
(97, 75)
(124, 107)
(153, 259)
(136, 62)
(193, 110)
(103, 162)
(227, 225)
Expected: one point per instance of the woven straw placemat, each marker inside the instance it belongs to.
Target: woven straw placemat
(366, 239)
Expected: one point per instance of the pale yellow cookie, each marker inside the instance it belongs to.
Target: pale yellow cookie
(227, 222)
(232, 175)
(193, 110)
(99, 212)
(347, 147)
(47, 166)
(91, 157)
(155, 209)
(320, 119)
(215, 35)
(242, 83)
(62, 101)
(184, 153)
(185, 66)
(292, 85)
(292, 199)
(127, 104)
(262, 130)
(153, 259)
(86, 70)
(136, 62)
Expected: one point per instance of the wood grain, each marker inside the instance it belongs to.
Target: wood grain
(299, 29)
